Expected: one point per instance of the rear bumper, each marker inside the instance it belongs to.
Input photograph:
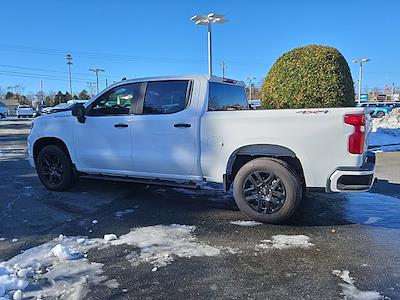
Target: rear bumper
(353, 179)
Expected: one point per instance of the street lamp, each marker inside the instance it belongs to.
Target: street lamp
(209, 20)
(360, 61)
(69, 63)
(250, 79)
(97, 71)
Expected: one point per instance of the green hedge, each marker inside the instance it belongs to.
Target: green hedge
(308, 77)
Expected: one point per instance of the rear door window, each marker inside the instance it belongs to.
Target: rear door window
(166, 97)
(222, 97)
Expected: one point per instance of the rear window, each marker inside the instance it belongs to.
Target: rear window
(226, 97)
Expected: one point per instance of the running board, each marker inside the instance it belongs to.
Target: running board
(189, 185)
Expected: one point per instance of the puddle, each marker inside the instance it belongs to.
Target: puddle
(373, 209)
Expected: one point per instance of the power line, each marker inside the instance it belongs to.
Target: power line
(52, 71)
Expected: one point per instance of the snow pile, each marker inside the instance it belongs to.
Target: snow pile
(282, 241)
(351, 292)
(160, 244)
(245, 223)
(385, 135)
(391, 120)
(56, 269)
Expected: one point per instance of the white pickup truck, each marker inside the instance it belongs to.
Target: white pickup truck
(190, 130)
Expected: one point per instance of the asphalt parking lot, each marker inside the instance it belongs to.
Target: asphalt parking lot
(359, 233)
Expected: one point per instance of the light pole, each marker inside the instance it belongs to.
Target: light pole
(250, 78)
(360, 61)
(223, 67)
(97, 71)
(209, 20)
(69, 63)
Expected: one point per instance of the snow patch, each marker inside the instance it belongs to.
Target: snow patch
(110, 237)
(56, 269)
(63, 253)
(351, 292)
(120, 214)
(245, 223)
(372, 220)
(281, 241)
(160, 244)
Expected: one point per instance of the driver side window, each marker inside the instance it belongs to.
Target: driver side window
(116, 101)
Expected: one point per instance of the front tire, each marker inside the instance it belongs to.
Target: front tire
(55, 169)
(267, 190)
(380, 114)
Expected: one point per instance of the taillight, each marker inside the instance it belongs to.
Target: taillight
(356, 139)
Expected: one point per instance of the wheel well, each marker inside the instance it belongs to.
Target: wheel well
(240, 158)
(43, 142)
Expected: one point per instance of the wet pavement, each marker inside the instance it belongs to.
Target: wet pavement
(355, 232)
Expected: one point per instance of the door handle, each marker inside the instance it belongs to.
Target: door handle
(182, 125)
(120, 125)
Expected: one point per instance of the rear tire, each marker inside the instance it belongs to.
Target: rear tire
(380, 114)
(267, 190)
(55, 169)
(1, 116)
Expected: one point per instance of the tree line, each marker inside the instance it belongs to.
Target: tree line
(35, 99)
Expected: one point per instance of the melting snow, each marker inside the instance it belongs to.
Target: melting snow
(286, 242)
(55, 269)
(351, 292)
(372, 220)
(110, 237)
(160, 244)
(120, 214)
(59, 268)
(245, 223)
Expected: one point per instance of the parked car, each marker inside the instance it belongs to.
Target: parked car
(3, 112)
(63, 106)
(255, 104)
(190, 130)
(376, 110)
(25, 111)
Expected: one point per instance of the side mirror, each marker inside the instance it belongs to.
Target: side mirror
(78, 111)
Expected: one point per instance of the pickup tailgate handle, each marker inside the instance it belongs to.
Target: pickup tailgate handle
(182, 125)
(121, 125)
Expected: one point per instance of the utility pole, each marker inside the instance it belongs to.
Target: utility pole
(209, 20)
(97, 71)
(250, 79)
(41, 93)
(392, 91)
(223, 66)
(106, 83)
(69, 63)
(360, 61)
(89, 83)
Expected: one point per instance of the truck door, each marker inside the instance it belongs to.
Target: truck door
(164, 134)
(103, 143)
